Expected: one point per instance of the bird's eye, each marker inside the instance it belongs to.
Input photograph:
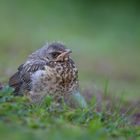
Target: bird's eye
(55, 54)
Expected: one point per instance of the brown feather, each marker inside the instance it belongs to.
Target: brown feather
(15, 82)
(21, 80)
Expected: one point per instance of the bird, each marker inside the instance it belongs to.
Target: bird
(49, 71)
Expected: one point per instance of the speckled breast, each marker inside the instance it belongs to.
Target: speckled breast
(58, 79)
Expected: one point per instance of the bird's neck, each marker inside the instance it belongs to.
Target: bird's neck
(54, 63)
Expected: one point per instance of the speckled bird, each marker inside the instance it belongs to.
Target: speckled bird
(48, 71)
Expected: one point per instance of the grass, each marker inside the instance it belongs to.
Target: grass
(21, 120)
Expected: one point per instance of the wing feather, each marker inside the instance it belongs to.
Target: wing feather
(21, 80)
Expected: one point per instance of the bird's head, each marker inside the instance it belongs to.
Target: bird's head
(57, 52)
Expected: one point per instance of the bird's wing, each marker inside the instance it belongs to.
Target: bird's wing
(15, 81)
(21, 80)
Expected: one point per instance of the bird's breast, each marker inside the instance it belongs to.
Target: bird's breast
(61, 77)
(65, 75)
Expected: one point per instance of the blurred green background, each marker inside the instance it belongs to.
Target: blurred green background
(104, 37)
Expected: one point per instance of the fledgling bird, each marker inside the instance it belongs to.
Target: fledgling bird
(48, 71)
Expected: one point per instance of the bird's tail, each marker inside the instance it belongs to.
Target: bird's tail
(1, 86)
(15, 83)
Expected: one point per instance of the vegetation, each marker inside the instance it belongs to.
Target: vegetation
(20, 119)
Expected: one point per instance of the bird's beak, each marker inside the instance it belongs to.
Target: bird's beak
(64, 55)
(67, 52)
